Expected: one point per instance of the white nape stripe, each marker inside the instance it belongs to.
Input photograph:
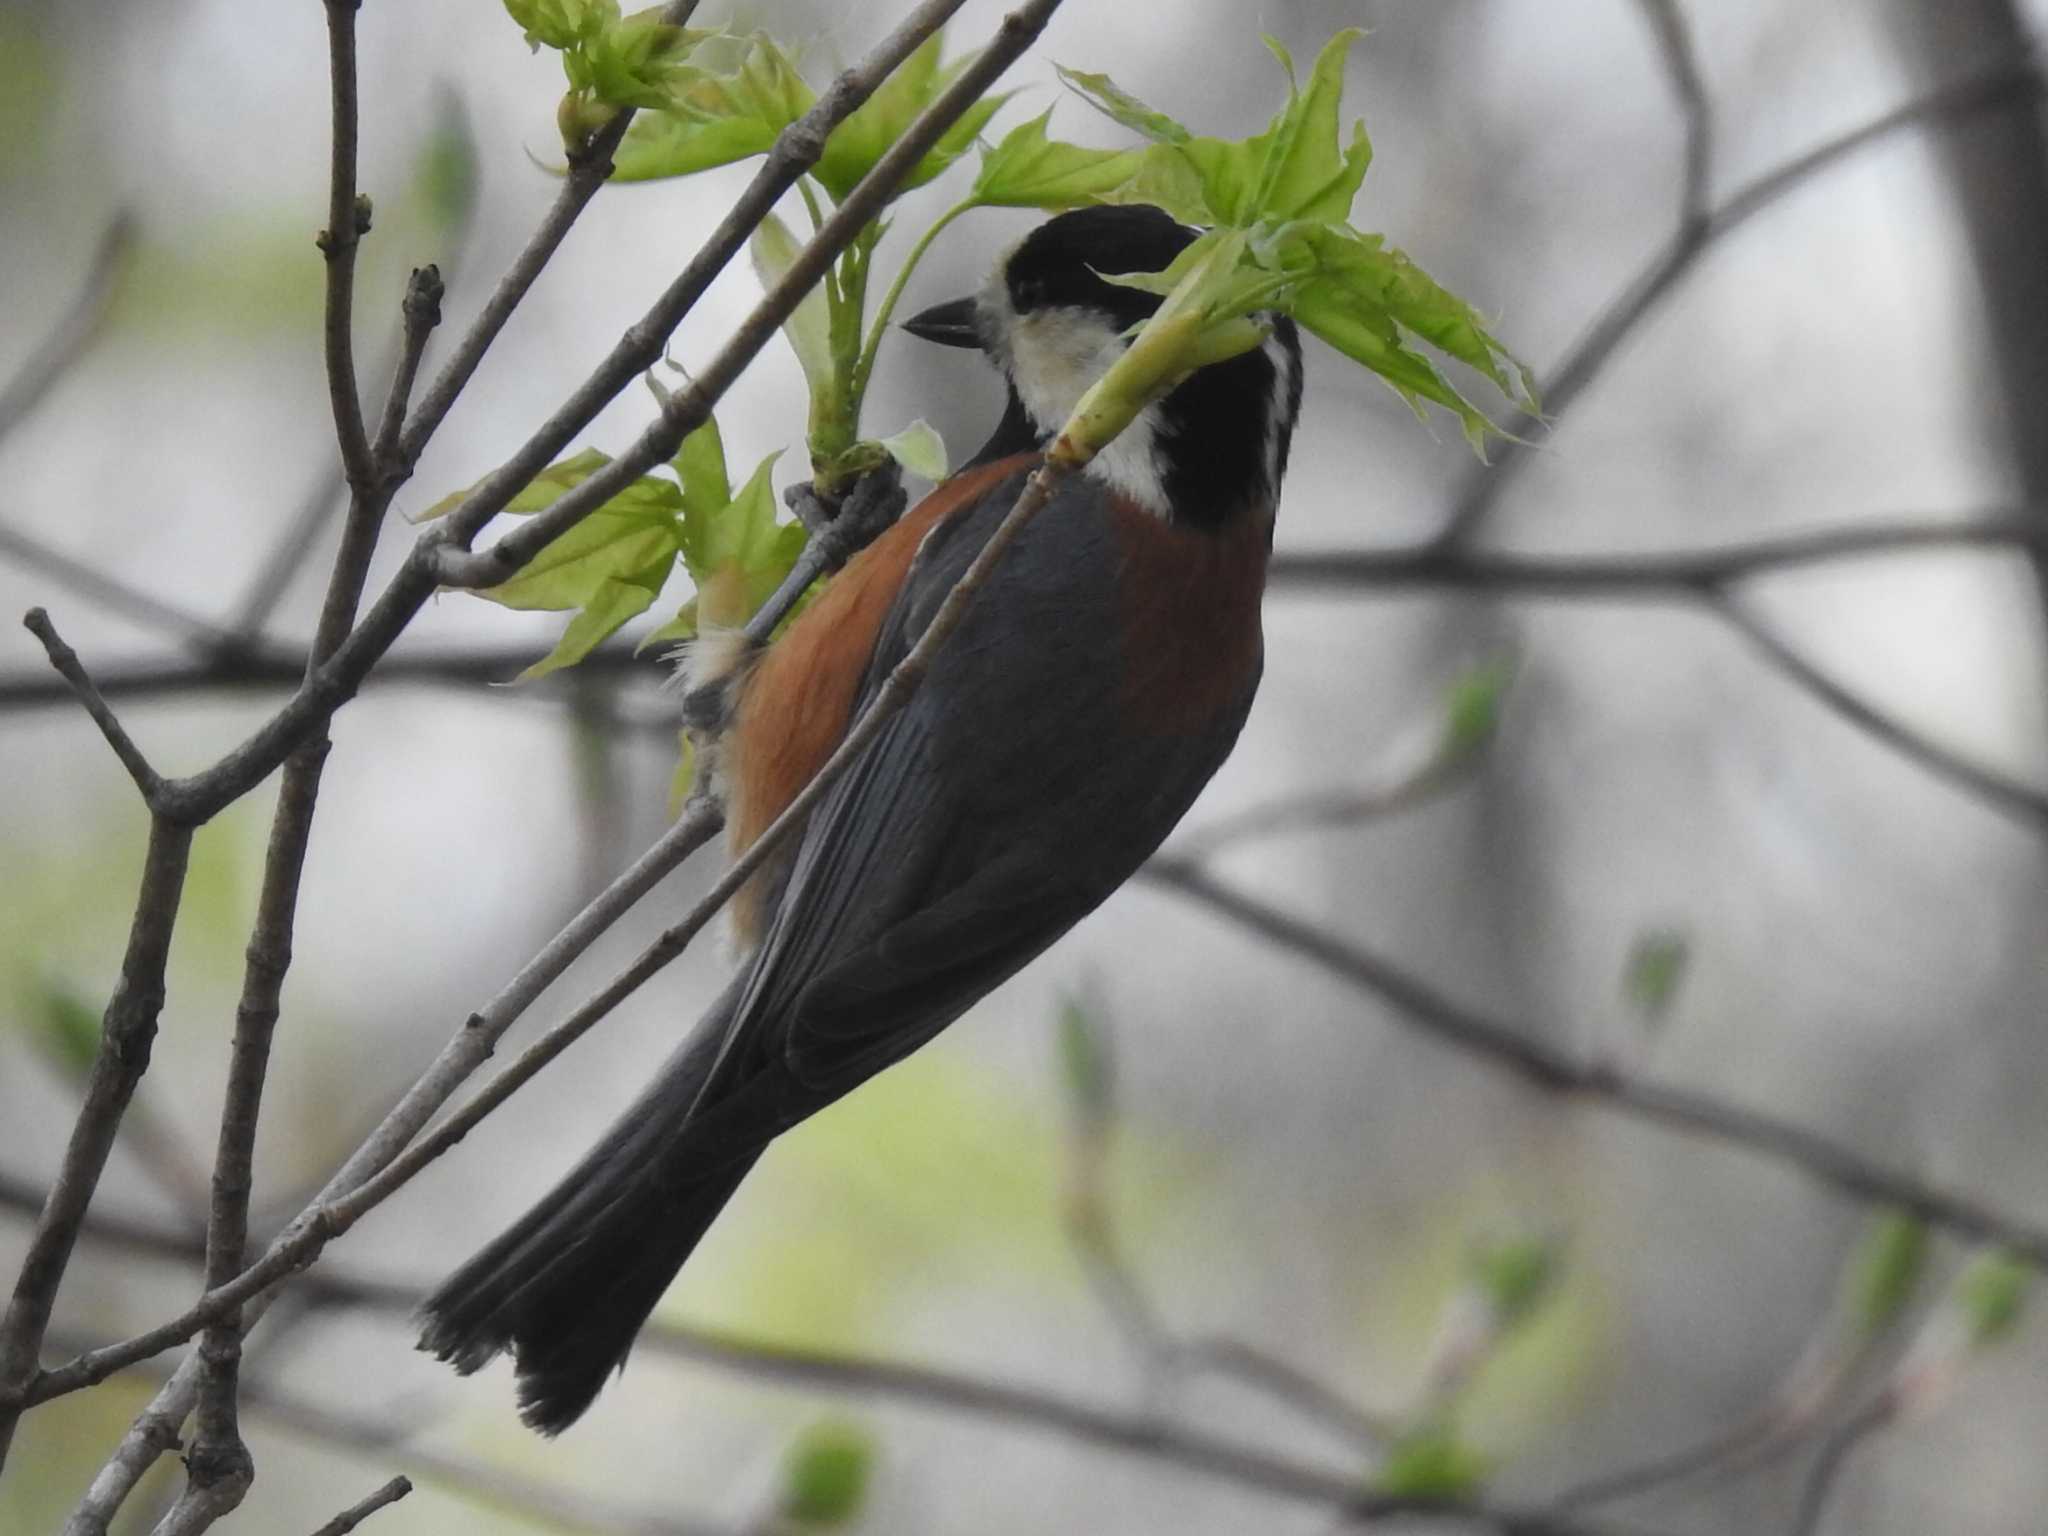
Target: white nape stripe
(1277, 419)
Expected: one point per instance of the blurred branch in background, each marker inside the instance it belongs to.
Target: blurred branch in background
(2003, 83)
(75, 328)
(1556, 1071)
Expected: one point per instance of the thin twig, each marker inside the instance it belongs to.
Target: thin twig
(148, 782)
(348, 220)
(75, 328)
(1680, 57)
(2001, 792)
(1547, 1067)
(199, 634)
(1841, 1444)
(420, 313)
(126, 1032)
(360, 1511)
(2003, 82)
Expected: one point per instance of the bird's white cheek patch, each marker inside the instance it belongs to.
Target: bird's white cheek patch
(1055, 355)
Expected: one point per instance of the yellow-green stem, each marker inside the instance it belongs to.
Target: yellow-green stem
(866, 366)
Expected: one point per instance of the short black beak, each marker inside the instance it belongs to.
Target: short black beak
(950, 325)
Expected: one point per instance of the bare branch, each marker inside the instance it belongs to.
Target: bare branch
(1553, 1070)
(199, 634)
(66, 343)
(1680, 57)
(927, 1387)
(420, 313)
(2003, 82)
(1842, 1442)
(126, 1032)
(348, 220)
(1709, 577)
(148, 782)
(358, 1512)
(1986, 785)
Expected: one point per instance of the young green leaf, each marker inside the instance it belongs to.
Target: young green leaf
(543, 490)
(711, 119)
(809, 328)
(1654, 972)
(637, 61)
(1886, 1271)
(919, 449)
(865, 136)
(1111, 99)
(70, 1031)
(615, 601)
(560, 24)
(1992, 1294)
(1472, 706)
(633, 536)
(739, 555)
(825, 1478)
(1431, 1463)
(1030, 170)
(700, 466)
(1088, 1064)
(684, 779)
(1516, 1277)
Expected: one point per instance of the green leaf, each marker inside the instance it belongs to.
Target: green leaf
(1885, 1273)
(869, 133)
(1087, 1065)
(809, 328)
(1472, 706)
(1305, 175)
(614, 602)
(1992, 1295)
(826, 1475)
(444, 172)
(635, 536)
(678, 629)
(700, 466)
(1431, 1464)
(919, 449)
(70, 1028)
(1030, 170)
(634, 62)
(711, 119)
(560, 24)
(684, 778)
(1655, 970)
(543, 490)
(1516, 1277)
(1111, 99)
(738, 555)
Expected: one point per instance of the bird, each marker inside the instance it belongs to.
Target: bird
(1094, 686)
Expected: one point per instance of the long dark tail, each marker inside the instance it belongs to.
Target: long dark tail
(568, 1285)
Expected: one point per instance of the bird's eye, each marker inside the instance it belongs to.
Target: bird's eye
(1027, 293)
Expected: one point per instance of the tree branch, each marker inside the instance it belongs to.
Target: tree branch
(126, 1032)
(2001, 83)
(360, 1511)
(75, 328)
(1556, 1071)
(1680, 57)
(148, 782)
(348, 220)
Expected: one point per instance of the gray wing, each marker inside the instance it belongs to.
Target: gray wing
(985, 820)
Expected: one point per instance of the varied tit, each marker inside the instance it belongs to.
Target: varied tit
(1096, 683)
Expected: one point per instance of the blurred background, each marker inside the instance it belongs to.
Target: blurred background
(1292, 1167)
